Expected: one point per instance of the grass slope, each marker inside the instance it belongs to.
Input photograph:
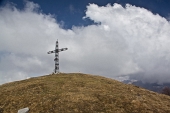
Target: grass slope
(79, 93)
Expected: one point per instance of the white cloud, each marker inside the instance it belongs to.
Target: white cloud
(26, 36)
(126, 41)
(143, 36)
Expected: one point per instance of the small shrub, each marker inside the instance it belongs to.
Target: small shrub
(166, 91)
(1, 110)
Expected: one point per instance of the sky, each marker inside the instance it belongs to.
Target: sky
(110, 38)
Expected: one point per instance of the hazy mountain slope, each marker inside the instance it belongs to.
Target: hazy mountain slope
(79, 93)
(150, 86)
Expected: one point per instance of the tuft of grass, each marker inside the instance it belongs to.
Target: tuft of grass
(79, 93)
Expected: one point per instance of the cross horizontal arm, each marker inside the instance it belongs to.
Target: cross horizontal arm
(57, 50)
(51, 52)
(63, 49)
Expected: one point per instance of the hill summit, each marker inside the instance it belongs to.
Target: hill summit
(79, 93)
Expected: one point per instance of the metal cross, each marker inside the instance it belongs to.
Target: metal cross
(56, 51)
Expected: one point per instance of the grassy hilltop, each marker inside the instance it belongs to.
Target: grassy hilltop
(79, 93)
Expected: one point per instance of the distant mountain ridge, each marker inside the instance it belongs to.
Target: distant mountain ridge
(79, 93)
(150, 86)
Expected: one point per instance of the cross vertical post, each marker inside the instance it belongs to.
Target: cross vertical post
(56, 70)
(56, 51)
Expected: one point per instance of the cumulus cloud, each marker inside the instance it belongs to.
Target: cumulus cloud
(141, 37)
(26, 36)
(125, 41)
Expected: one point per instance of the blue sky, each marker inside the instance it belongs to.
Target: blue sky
(71, 11)
(111, 38)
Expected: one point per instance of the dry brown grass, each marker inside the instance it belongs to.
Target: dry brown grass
(79, 93)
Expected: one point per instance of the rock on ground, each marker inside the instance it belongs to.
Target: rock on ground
(24, 110)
